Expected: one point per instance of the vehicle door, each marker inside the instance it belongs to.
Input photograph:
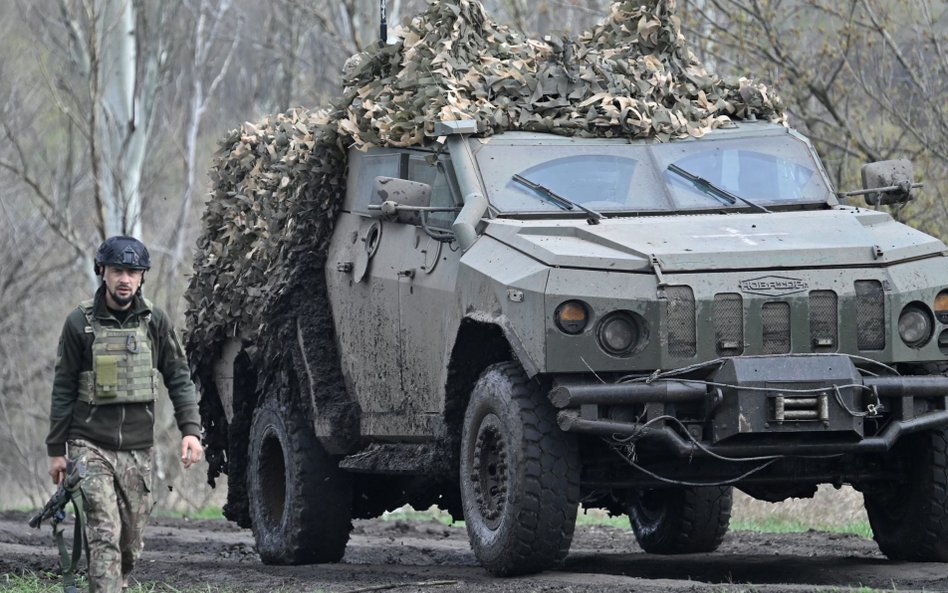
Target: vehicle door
(428, 309)
(381, 273)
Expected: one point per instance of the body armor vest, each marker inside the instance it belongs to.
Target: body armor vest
(122, 369)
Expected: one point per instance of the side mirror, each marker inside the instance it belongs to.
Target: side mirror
(888, 182)
(390, 192)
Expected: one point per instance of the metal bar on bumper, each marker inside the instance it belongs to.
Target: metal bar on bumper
(570, 421)
(567, 396)
(902, 386)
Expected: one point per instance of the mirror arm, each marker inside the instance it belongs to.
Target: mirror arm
(390, 207)
(874, 190)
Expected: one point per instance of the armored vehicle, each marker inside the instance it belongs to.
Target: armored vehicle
(519, 324)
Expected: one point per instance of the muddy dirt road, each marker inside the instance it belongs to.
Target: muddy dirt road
(430, 557)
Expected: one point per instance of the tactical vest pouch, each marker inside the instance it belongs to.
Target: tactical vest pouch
(106, 376)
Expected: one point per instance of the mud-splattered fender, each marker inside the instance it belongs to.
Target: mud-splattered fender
(502, 286)
(511, 335)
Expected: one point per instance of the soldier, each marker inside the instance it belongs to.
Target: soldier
(111, 350)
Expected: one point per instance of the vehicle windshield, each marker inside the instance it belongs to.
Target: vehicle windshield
(759, 170)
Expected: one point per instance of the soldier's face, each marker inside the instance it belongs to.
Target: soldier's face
(121, 284)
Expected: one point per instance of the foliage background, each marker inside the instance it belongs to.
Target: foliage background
(866, 79)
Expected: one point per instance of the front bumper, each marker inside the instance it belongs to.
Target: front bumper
(768, 405)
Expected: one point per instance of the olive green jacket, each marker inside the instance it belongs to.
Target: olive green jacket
(118, 426)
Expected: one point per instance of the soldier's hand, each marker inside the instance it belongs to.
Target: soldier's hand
(57, 469)
(191, 450)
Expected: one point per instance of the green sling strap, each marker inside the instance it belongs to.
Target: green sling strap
(68, 562)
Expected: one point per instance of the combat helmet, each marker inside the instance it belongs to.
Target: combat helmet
(123, 251)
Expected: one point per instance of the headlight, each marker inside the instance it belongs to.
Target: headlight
(915, 325)
(622, 333)
(941, 306)
(571, 317)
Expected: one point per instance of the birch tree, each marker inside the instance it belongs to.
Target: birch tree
(212, 33)
(124, 64)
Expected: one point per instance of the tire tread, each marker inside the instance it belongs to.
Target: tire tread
(545, 522)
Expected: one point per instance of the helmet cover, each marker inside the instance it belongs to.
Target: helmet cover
(122, 251)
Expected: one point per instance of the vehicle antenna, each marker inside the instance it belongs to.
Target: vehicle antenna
(383, 25)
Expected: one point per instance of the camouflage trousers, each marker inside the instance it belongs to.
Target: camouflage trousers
(117, 498)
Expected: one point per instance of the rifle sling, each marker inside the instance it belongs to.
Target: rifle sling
(69, 563)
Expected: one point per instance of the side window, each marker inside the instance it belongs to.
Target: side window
(442, 194)
(362, 173)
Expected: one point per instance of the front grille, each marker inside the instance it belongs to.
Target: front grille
(682, 340)
(870, 315)
(824, 331)
(729, 322)
(728, 315)
(775, 319)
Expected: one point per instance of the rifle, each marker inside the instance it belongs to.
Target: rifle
(55, 509)
(55, 512)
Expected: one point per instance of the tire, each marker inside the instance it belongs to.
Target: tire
(909, 518)
(519, 475)
(681, 520)
(300, 501)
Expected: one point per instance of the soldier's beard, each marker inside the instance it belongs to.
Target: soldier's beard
(120, 300)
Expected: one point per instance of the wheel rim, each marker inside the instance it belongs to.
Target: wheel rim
(489, 472)
(650, 510)
(271, 467)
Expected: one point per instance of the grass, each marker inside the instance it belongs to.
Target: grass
(829, 590)
(857, 590)
(49, 583)
(758, 522)
(830, 509)
(776, 525)
(210, 512)
(599, 517)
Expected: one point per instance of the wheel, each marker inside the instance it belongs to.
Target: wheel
(909, 518)
(300, 501)
(681, 520)
(519, 475)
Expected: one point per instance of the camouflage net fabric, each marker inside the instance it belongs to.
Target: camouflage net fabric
(632, 76)
(277, 185)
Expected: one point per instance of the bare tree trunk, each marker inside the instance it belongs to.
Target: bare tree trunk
(114, 112)
(206, 32)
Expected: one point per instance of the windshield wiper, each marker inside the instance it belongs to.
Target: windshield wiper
(710, 188)
(552, 196)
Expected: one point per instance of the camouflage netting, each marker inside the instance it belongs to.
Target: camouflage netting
(632, 76)
(278, 184)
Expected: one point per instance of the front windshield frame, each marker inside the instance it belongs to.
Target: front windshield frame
(653, 189)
